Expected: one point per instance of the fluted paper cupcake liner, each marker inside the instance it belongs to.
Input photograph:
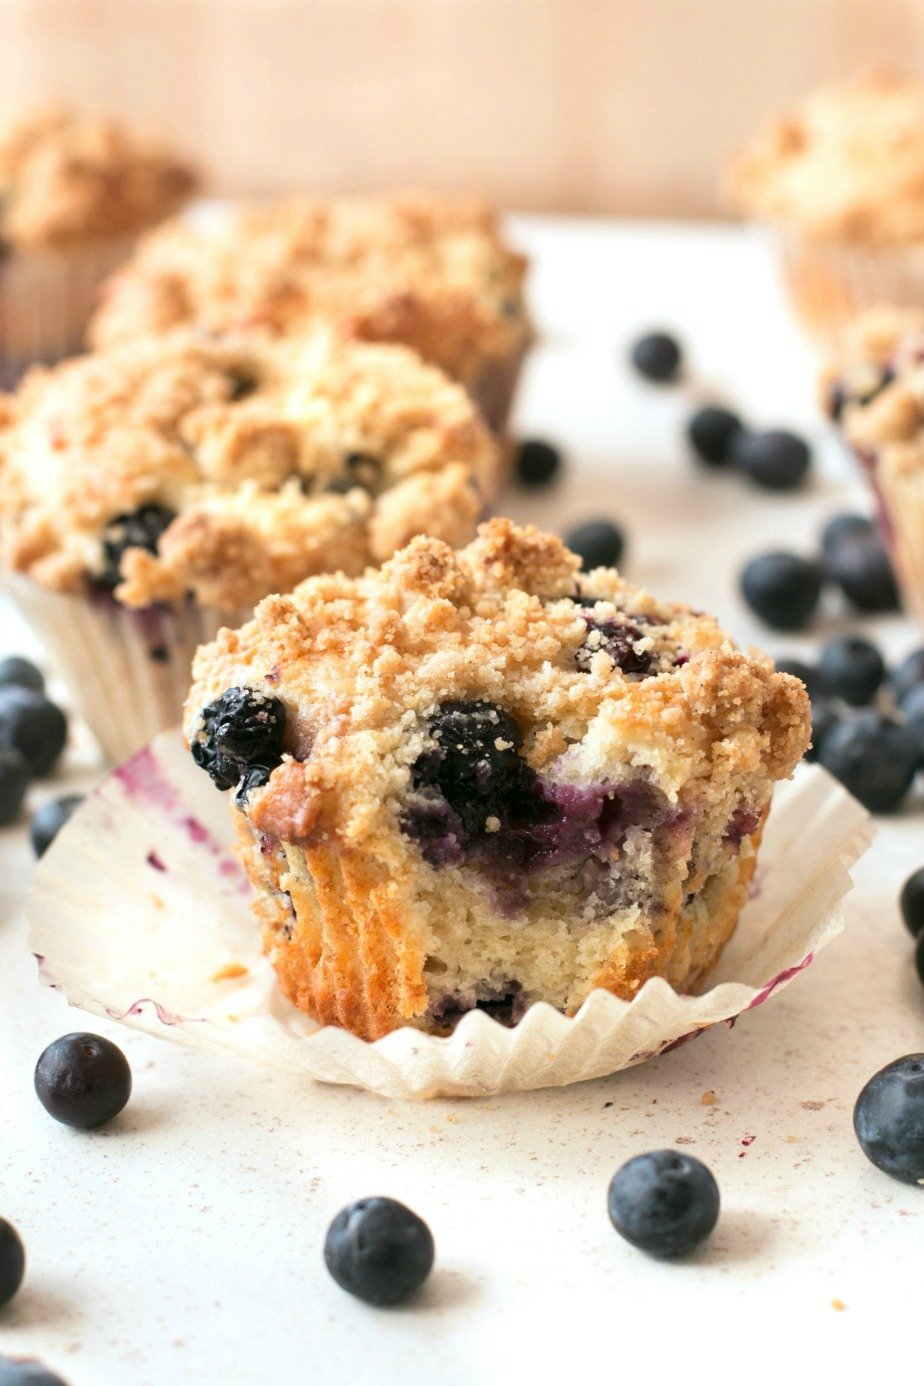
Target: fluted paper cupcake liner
(140, 912)
(830, 284)
(128, 672)
(47, 297)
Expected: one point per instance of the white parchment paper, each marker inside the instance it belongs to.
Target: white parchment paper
(140, 912)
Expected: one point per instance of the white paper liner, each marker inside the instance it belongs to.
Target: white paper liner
(47, 297)
(127, 672)
(139, 906)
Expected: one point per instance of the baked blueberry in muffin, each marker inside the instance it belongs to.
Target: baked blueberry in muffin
(431, 272)
(480, 779)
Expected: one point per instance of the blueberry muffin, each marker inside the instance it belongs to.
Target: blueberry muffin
(153, 491)
(874, 391)
(841, 179)
(75, 191)
(481, 779)
(429, 272)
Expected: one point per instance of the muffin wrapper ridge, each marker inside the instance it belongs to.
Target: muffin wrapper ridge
(830, 284)
(127, 671)
(141, 912)
(46, 298)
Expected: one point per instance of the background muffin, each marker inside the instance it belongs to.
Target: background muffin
(75, 191)
(150, 492)
(841, 180)
(432, 273)
(478, 779)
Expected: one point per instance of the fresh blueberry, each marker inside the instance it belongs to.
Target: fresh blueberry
(48, 821)
(537, 463)
(33, 725)
(711, 432)
(597, 543)
(809, 674)
(863, 570)
(889, 1119)
(12, 1261)
(378, 1250)
(908, 675)
(21, 672)
(241, 730)
(911, 902)
(657, 356)
(475, 762)
(664, 1202)
(873, 757)
(14, 781)
(782, 589)
(25, 1371)
(83, 1080)
(137, 529)
(825, 717)
(840, 529)
(776, 460)
(853, 669)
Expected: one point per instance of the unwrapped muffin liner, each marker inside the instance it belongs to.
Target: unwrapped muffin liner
(141, 912)
(830, 283)
(47, 297)
(127, 671)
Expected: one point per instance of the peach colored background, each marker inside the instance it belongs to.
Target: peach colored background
(606, 105)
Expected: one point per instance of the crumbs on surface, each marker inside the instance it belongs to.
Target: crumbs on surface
(708, 1097)
(229, 971)
(838, 1304)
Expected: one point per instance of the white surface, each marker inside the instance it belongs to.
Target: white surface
(182, 1244)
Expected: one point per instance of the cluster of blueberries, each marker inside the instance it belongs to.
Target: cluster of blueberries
(33, 734)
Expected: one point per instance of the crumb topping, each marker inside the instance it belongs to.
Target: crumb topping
(230, 468)
(430, 272)
(66, 176)
(875, 389)
(846, 164)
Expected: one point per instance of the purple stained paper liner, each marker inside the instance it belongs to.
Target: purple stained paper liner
(140, 912)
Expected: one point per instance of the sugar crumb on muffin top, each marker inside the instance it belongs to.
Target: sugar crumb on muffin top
(590, 669)
(874, 387)
(230, 468)
(431, 272)
(846, 164)
(67, 176)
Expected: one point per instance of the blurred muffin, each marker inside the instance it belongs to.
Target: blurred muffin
(482, 779)
(75, 191)
(429, 272)
(153, 491)
(874, 390)
(841, 180)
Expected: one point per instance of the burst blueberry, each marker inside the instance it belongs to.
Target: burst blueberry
(619, 641)
(888, 1119)
(474, 761)
(136, 529)
(12, 1261)
(48, 821)
(775, 459)
(712, 431)
(853, 669)
(657, 356)
(598, 544)
(241, 730)
(379, 1250)
(873, 757)
(664, 1203)
(32, 725)
(83, 1080)
(782, 589)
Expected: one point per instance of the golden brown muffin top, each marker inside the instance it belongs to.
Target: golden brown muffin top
(874, 388)
(846, 165)
(264, 461)
(431, 272)
(590, 668)
(66, 177)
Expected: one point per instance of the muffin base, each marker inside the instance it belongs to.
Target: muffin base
(830, 284)
(127, 671)
(335, 929)
(46, 299)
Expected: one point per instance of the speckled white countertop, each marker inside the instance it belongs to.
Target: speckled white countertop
(182, 1243)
